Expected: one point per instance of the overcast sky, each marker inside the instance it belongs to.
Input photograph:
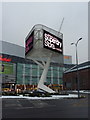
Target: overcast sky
(19, 17)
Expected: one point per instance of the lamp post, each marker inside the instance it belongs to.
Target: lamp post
(78, 84)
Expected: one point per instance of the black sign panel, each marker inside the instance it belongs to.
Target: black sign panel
(52, 42)
(29, 44)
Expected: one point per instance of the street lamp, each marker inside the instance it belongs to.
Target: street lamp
(78, 84)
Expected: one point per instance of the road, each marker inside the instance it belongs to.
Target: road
(59, 108)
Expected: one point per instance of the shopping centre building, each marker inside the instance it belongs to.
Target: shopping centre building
(17, 71)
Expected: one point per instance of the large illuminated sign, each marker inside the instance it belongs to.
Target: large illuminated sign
(5, 59)
(29, 44)
(52, 42)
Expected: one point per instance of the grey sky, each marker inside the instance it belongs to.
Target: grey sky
(18, 18)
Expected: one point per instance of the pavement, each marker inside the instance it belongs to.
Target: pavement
(41, 108)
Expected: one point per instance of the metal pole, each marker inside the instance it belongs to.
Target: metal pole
(78, 83)
(78, 87)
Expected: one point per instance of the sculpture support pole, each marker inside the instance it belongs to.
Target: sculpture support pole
(44, 74)
(43, 77)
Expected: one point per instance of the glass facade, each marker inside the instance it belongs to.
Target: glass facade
(21, 71)
(30, 74)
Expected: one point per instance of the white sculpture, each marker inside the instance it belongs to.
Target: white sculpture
(44, 45)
